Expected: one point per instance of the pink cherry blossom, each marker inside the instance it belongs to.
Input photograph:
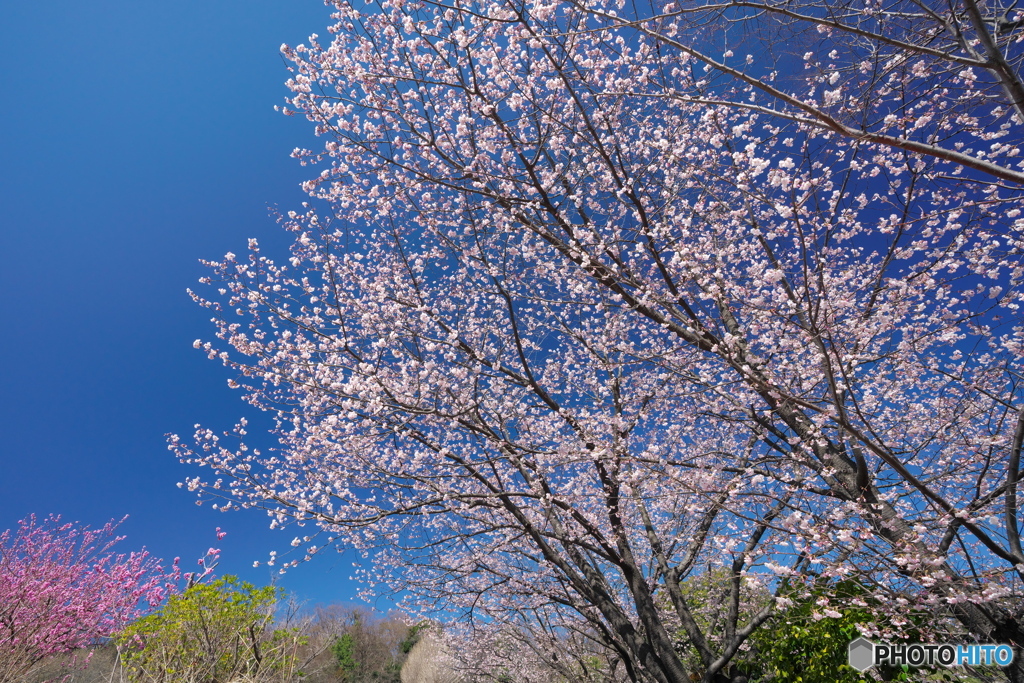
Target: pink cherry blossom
(579, 313)
(62, 587)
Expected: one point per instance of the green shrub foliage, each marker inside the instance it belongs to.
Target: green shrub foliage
(415, 632)
(798, 647)
(800, 643)
(211, 633)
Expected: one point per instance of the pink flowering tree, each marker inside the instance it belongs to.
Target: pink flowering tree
(62, 588)
(607, 298)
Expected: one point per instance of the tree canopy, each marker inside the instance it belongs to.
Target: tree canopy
(592, 299)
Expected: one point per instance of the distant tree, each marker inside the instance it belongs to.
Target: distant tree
(62, 588)
(413, 636)
(344, 650)
(367, 646)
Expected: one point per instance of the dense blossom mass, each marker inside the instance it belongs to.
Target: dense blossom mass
(62, 588)
(601, 299)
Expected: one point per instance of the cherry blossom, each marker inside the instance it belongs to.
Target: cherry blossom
(61, 588)
(579, 312)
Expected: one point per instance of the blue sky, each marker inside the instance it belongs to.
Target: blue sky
(135, 139)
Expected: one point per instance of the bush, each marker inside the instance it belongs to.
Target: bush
(212, 633)
(415, 633)
(801, 647)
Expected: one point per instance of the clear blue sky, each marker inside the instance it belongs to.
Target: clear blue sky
(136, 138)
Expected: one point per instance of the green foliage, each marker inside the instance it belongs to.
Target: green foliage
(366, 648)
(211, 633)
(415, 633)
(796, 647)
(344, 650)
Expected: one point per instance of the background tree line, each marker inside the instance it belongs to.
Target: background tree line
(224, 630)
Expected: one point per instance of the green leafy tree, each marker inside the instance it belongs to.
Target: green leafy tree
(809, 642)
(212, 633)
(802, 645)
(365, 647)
(344, 650)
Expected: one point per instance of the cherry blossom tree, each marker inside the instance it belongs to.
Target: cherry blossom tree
(533, 653)
(62, 587)
(605, 298)
(490, 504)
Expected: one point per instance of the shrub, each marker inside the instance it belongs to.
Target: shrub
(211, 633)
(805, 646)
(415, 633)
